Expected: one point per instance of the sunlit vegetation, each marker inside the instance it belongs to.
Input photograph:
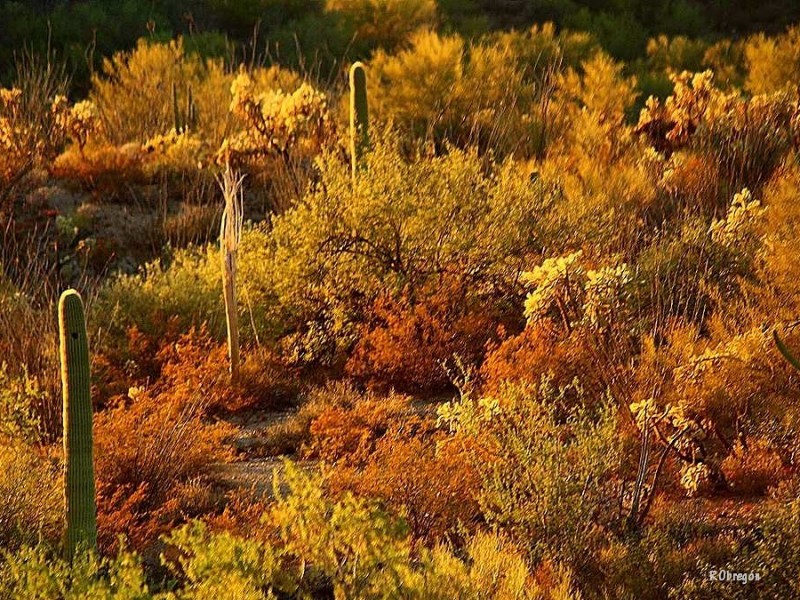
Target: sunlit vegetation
(527, 331)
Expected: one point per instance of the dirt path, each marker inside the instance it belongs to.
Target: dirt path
(255, 470)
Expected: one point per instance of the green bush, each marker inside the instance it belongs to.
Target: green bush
(406, 222)
(550, 481)
(31, 500)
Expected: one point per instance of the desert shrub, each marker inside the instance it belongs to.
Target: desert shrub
(293, 435)
(30, 402)
(719, 397)
(681, 536)
(600, 87)
(30, 134)
(309, 545)
(183, 290)
(773, 63)
(726, 58)
(444, 88)
(31, 502)
(543, 48)
(384, 23)
(354, 549)
(752, 468)
(192, 225)
(221, 564)
(432, 483)
(105, 170)
(138, 476)
(186, 289)
(676, 54)
(405, 223)
(195, 366)
(747, 138)
(134, 92)
(350, 425)
(538, 351)
(770, 550)
(603, 180)
(550, 480)
(779, 269)
(351, 543)
(349, 548)
(39, 572)
(408, 344)
(703, 266)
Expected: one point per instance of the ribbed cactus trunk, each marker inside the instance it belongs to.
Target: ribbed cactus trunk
(81, 519)
(359, 117)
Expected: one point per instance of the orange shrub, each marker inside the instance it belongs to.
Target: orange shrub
(242, 515)
(349, 433)
(195, 362)
(751, 469)
(148, 448)
(695, 179)
(539, 351)
(105, 171)
(406, 343)
(433, 483)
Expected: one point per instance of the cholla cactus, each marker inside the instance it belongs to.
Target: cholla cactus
(739, 225)
(175, 151)
(557, 283)
(79, 496)
(696, 479)
(78, 121)
(603, 289)
(275, 122)
(671, 124)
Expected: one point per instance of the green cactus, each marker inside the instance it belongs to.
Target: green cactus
(191, 110)
(176, 111)
(783, 349)
(183, 119)
(359, 116)
(81, 520)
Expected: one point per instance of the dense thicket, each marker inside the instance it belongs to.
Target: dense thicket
(327, 31)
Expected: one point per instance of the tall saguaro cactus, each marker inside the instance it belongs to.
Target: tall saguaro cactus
(79, 496)
(359, 116)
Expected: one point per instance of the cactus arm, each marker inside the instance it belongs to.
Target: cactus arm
(79, 486)
(785, 351)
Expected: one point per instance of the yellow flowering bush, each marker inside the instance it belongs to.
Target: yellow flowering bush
(175, 152)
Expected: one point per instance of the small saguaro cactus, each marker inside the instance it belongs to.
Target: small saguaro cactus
(79, 492)
(184, 119)
(359, 115)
